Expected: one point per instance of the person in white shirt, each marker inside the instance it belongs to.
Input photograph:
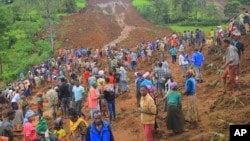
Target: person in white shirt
(183, 62)
(14, 100)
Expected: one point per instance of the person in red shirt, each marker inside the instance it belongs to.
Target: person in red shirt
(111, 78)
(85, 76)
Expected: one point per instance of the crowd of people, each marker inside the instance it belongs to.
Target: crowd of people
(98, 76)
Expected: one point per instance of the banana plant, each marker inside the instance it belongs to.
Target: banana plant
(210, 66)
(219, 71)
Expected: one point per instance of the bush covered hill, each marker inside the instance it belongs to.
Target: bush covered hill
(190, 12)
(27, 33)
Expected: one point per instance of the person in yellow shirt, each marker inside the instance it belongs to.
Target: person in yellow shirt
(211, 33)
(58, 130)
(209, 41)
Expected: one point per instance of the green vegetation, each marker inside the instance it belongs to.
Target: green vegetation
(179, 28)
(187, 12)
(27, 34)
(81, 3)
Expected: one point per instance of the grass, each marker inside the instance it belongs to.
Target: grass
(140, 3)
(81, 3)
(178, 28)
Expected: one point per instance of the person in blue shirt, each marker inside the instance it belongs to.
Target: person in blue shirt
(198, 59)
(99, 130)
(78, 92)
(190, 86)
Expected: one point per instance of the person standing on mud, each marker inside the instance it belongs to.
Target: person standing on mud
(231, 65)
(52, 100)
(175, 118)
(64, 96)
(192, 114)
(134, 60)
(198, 59)
(78, 92)
(148, 112)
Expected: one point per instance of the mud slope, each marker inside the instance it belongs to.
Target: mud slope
(109, 22)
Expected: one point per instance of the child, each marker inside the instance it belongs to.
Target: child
(39, 100)
(59, 131)
(173, 52)
(78, 126)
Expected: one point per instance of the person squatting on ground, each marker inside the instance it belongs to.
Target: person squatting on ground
(148, 112)
(230, 67)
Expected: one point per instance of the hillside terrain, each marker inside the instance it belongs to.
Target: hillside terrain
(109, 22)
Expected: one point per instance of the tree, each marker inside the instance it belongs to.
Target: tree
(232, 9)
(212, 11)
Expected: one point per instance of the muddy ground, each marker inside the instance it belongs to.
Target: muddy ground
(109, 22)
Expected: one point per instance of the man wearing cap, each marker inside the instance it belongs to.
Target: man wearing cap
(198, 59)
(231, 65)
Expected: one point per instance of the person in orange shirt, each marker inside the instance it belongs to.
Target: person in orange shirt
(111, 79)
(93, 99)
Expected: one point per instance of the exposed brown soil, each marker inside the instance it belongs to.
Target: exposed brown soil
(96, 29)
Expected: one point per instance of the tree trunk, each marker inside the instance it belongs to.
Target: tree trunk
(50, 24)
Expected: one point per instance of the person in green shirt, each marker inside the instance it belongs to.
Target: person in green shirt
(175, 119)
(173, 52)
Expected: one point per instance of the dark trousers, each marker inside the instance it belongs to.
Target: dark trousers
(173, 59)
(40, 113)
(78, 107)
(65, 102)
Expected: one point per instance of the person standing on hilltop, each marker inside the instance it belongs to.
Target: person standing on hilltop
(231, 65)
(148, 113)
(198, 59)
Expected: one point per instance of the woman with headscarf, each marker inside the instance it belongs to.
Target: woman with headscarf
(43, 133)
(175, 118)
(28, 127)
(123, 80)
